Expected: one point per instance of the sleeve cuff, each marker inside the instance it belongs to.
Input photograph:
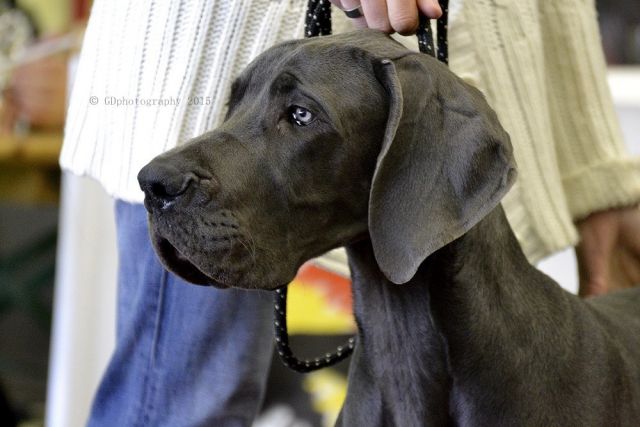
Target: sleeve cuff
(603, 186)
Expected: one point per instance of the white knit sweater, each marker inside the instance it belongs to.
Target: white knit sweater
(540, 66)
(182, 53)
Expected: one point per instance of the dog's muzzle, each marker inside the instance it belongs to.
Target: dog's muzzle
(163, 184)
(174, 200)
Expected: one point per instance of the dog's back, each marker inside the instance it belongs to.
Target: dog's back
(619, 313)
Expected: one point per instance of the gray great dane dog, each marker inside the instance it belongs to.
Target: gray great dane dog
(352, 140)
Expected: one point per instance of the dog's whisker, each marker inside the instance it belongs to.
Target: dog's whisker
(252, 244)
(248, 249)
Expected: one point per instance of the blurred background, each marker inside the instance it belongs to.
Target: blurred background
(57, 302)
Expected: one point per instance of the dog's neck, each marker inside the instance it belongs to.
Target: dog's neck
(408, 331)
(484, 290)
(398, 342)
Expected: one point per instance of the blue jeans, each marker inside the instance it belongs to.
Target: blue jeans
(185, 355)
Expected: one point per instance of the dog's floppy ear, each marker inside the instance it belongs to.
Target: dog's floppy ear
(445, 163)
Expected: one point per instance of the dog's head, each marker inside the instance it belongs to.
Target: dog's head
(328, 141)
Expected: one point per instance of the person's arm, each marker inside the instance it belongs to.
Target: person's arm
(601, 181)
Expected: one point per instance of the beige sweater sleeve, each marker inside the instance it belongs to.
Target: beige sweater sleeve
(541, 67)
(597, 172)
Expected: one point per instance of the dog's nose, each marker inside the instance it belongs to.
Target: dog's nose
(162, 183)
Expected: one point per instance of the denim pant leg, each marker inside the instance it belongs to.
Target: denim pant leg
(185, 355)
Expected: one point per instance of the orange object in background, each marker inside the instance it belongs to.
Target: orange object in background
(320, 302)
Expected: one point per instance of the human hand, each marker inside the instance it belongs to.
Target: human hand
(37, 93)
(609, 251)
(391, 15)
(8, 114)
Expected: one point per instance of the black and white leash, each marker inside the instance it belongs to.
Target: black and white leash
(282, 342)
(425, 34)
(318, 23)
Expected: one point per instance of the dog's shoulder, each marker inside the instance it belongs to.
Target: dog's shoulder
(624, 301)
(619, 312)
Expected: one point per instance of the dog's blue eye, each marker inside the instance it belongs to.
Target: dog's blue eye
(301, 116)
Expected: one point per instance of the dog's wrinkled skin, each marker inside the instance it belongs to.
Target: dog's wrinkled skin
(405, 165)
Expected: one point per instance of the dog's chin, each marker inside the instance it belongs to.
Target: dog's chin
(180, 265)
(190, 269)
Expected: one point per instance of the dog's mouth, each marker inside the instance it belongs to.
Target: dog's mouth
(212, 251)
(179, 264)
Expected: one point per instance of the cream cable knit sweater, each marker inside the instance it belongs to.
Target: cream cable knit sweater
(183, 54)
(539, 63)
(541, 66)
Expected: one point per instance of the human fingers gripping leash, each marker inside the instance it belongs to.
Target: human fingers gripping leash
(399, 16)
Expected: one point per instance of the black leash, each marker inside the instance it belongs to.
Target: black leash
(318, 23)
(425, 34)
(282, 342)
